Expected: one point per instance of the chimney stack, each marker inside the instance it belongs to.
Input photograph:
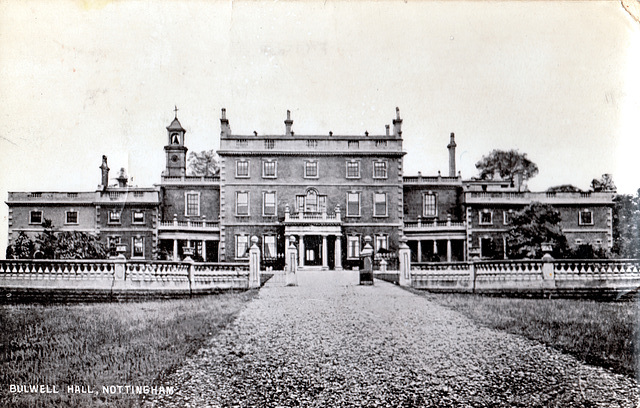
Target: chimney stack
(452, 156)
(397, 124)
(122, 178)
(105, 172)
(386, 128)
(287, 124)
(225, 130)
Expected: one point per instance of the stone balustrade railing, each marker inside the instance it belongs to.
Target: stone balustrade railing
(595, 278)
(434, 224)
(120, 278)
(189, 224)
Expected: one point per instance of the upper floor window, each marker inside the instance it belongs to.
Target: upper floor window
(242, 168)
(380, 169)
(35, 217)
(353, 247)
(379, 204)
(269, 203)
(586, 217)
(114, 216)
(353, 204)
(137, 247)
(242, 245)
(269, 169)
(486, 217)
(71, 217)
(242, 203)
(353, 169)
(310, 169)
(508, 215)
(429, 205)
(137, 217)
(192, 204)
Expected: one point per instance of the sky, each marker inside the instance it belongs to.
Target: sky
(556, 80)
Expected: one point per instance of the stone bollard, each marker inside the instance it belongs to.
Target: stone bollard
(291, 263)
(366, 273)
(383, 266)
(254, 264)
(404, 255)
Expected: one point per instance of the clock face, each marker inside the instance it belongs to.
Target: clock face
(174, 158)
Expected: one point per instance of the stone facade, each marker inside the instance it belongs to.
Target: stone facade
(326, 191)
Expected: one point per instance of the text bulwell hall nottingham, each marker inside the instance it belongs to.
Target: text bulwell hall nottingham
(327, 191)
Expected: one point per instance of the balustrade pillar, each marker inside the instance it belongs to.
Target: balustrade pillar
(254, 264)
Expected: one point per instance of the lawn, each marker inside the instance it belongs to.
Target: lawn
(600, 333)
(96, 345)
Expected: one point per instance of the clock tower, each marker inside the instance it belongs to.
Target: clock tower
(175, 150)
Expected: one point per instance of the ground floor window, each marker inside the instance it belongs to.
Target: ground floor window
(382, 242)
(353, 247)
(242, 244)
(137, 249)
(269, 246)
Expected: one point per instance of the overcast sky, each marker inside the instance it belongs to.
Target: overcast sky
(557, 80)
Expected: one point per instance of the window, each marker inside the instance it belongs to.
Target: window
(300, 203)
(429, 205)
(35, 217)
(242, 242)
(322, 203)
(486, 217)
(192, 204)
(114, 217)
(508, 215)
(380, 169)
(269, 246)
(379, 204)
(72, 217)
(353, 204)
(138, 217)
(137, 249)
(269, 203)
(311, 201)
(382, 242)
(311, 169)
(579, 242)
(113, 241)
(242, 203)
(586, 217)
(242, 168)
(269, 169)
(353, 247)
(353, 169)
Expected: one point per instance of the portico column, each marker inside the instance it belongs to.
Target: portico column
(338, 254)
(325, 261)
(448, 250)
(419, 255)
(175, 249)
(204, 250)
(435, 247)
(301, 251)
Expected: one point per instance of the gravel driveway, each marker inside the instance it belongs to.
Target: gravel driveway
(330, 342)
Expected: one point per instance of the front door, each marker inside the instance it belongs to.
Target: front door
(312, 250)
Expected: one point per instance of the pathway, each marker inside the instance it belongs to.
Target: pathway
(330, 342)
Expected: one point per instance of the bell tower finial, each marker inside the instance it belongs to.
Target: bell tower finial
(175, 110)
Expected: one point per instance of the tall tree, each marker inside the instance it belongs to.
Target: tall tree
(626, 225)
(79, 245)
(535, 224)
(564, 188)
(603, 184)
(506, 164)
(22, 248)
(204, 163)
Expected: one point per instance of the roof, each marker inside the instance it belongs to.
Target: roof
(175, 125)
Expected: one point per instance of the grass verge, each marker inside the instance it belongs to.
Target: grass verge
(96, 345)
(606, 334)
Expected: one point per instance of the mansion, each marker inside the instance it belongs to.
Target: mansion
(328, 191)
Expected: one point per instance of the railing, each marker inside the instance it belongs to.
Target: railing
(419, 179)
(119, 277)
(189, 224)
(602, 278)
(191, 178)
(431, 224)
(312, 216)
(544, 197)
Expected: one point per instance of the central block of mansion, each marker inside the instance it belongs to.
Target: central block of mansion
(328, 191)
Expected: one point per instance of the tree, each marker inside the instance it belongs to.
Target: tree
(506, 164)
(204, 163)
(22, 248)
(79, 245)
(604, 184)
(46, 242)
(564, 188)
(626, 225)
(535, 224)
